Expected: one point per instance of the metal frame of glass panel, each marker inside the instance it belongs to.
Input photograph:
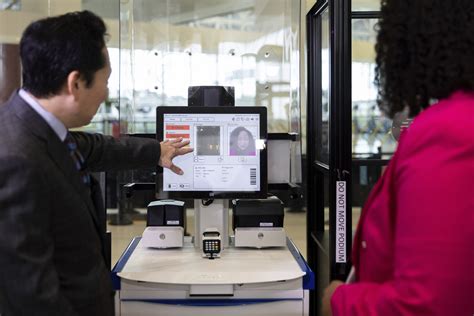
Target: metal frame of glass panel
(323, 177)
(325, 246)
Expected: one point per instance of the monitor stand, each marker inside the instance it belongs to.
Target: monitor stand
(214, 215)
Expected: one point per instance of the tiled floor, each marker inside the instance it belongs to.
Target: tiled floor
(294, 223)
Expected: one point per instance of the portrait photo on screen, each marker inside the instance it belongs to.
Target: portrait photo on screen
(208, 140)
(241, 142)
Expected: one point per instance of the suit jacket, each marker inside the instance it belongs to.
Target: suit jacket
(51, 230)
(413, 250)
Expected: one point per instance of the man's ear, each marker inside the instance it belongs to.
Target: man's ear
(74, 83)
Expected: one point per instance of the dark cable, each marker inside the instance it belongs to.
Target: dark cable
(207, 202)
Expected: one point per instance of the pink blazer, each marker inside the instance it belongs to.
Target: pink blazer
(414, 247)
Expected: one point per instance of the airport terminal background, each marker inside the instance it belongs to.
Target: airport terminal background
(159, 48)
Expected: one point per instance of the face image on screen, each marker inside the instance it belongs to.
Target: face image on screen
(241, 142)
(227, 152)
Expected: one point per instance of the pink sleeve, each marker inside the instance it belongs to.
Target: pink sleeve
(434, 235)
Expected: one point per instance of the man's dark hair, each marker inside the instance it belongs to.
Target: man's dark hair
(52, 48)
(425, 52)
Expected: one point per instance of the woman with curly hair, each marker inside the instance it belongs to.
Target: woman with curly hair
(241, 142)
(413, 250)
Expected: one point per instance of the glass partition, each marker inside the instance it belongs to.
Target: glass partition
(371, 137)
(15, 17)
(366, 5)
(10, 5)
(322, 151)
(167, 46)
(372, 142)
(158, 48)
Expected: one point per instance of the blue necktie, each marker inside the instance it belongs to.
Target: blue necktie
(77, 158)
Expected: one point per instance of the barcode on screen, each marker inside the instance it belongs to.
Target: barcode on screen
(253, 176)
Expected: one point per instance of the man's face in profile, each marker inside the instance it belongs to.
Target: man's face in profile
(96, 93)
(243, 140)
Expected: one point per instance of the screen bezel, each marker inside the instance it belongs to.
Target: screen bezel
(262, 111)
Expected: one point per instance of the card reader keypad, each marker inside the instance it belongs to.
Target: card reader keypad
(212, 246)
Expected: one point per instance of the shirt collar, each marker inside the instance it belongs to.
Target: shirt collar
(57, 126)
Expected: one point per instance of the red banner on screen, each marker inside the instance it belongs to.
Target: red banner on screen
(177, 127)
(172, 135)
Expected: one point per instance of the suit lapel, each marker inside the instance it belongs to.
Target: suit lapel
(57, 151)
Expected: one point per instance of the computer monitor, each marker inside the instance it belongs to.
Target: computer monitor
(229, 158)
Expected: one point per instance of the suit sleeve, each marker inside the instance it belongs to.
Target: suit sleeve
(433, 239)
(29, 284)
(105, 153)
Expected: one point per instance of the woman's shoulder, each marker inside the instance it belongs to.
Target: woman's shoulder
(437, 150)
(456, 105)
(449, 121)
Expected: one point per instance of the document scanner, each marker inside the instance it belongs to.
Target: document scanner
(258, 223)
(165, 224)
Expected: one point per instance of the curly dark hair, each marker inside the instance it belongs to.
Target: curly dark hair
(425, 52)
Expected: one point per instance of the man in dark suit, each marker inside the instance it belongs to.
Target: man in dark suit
(51, 222)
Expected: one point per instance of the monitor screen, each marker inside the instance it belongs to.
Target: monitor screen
(229, 158)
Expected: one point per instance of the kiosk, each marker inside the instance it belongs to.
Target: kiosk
(228, 162)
